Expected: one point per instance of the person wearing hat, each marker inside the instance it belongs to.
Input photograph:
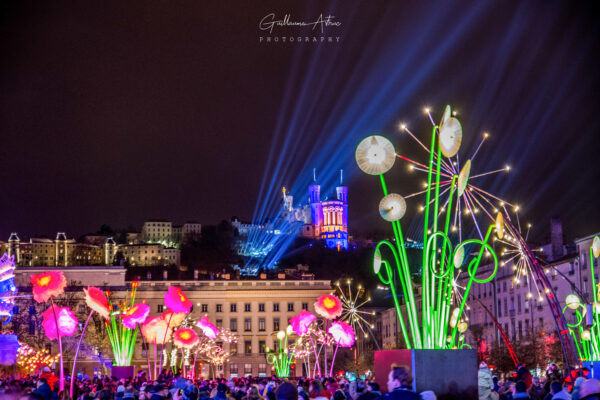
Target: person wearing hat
(286, 391)
(485, 382)
(590, 390)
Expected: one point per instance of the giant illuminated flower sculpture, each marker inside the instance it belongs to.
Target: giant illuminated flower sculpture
(155, 330)
(97, 301)
(208, 329)
(185, 338)
(47, 284)
(328, 306)
(177, 301)
(342, 333)
(135, 314)
(302, 321)
(67, 322)
(174, 319)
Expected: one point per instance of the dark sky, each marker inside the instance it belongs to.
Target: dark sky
(116, 112)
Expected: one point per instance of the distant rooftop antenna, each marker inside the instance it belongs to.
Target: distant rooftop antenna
(341, 177)
(315, 175)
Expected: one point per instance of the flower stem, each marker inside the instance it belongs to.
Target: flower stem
(60, 352)
(77, 352)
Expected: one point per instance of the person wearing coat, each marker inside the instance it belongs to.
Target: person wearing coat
(485, 382)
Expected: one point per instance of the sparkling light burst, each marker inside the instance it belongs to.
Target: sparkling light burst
(352, 302)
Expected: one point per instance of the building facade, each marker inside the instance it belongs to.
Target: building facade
(254, 310)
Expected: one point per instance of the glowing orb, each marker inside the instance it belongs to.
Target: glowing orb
(463, 178)
(375, 155)
(597, 308)
(392, 207)
(462, 327)
(500, 226)
(586, 335)
(280, 335)
(573, 301)
(459, 257)
(596, 246)
(450, 137)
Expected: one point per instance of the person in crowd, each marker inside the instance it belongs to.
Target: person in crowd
(44, 391)
(400, 385)
(286, 391)
(557, 391)
(535, 390)
(485, 382)
(520, 391)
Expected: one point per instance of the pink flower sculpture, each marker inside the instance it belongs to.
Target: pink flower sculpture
(342, 333)
(47, 284)
(135, 314)
(67, 322)
(185, 338)
(301, 322)
(177, 301)
(97, 301)
(154, 330)
(175, 320)
(328, 306)
(209, 330)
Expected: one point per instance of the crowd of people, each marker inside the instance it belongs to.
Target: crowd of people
(522, 385)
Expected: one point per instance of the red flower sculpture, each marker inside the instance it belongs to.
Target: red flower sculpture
(154, 330)
(185, 338)
(342, 333)
(177, 301)
(208, 329)
(48, 284)
(67, 322)
(328, 306)
(97, 301)
(135, 314)
(301, 322)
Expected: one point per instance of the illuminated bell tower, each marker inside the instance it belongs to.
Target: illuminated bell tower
(61, 249)
(316, 208)
(110, 249)
(13, 247)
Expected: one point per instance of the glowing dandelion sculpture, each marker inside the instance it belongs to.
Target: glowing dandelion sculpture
(352, 303)
(283, 357)
(585, 329)
(440, 324)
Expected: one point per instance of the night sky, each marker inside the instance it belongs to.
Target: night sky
(117, 112)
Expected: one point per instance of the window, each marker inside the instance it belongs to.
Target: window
(519, 303)
(220, 323)
(247, 324)
(233, 307)
(262, 347)
(275, 307)
(305, 306)
(32, 310)
(233, 369)
(233, 324)
(15, 309)
(81, 308)
(31, 328)
(247, 307)
(504, 286)
(261, 324)
(505, 306)
(248, 346)
(290, 306)
(499, 308)
(261, 307)
(247, 369)
(520, 329)
(204, 307)
(233, 348)
(276, 324)
(219, 307)
(262, 369)
(159, 308)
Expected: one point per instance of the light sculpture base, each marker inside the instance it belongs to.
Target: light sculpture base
(122, 372)
(450, 374)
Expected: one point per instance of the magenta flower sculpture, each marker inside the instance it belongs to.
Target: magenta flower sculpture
(97, 301)
(329, 306)
(67, 322)
(177, 301)
(135, 315)
(48, 284)
(208, 329)
(301, 322)
(342, 333)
